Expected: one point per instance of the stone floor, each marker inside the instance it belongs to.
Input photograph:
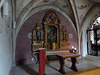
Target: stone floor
(52, 69)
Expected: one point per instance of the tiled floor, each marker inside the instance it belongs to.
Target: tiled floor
(52, 69)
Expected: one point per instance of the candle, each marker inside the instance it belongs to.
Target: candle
(72, 47)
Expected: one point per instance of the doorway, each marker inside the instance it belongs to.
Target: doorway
(93, 41)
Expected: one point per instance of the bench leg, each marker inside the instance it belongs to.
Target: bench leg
(62, 66)
(74, 61)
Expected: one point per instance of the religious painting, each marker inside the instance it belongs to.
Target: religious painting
(52, 17)
(51, 34)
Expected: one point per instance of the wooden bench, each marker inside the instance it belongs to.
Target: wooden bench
(95, 71)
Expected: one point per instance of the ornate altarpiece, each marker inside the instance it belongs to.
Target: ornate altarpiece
(37, 37)
(51, 34)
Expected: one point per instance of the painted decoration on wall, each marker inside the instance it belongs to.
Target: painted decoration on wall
(82, 7)
(29, 35)
(81, 17)
(70, 35)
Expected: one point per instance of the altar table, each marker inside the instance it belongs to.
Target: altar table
(63, 56)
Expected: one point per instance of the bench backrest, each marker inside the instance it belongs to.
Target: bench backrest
(95, 71)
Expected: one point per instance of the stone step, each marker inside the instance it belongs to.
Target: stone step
(93, 58)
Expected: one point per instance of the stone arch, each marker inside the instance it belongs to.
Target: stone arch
(90, 17)
(40, 8)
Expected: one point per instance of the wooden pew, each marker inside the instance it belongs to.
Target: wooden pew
(95, 71)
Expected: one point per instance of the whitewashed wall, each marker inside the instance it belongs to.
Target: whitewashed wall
(5, 49)
(6, 43)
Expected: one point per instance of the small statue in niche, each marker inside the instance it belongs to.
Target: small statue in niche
(38, 33)
(64, 33)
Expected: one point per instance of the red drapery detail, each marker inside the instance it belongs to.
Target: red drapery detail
(42, 53)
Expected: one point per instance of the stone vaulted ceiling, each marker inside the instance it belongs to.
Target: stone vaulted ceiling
(76, 10)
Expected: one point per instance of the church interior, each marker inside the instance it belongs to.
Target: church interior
(58, 37)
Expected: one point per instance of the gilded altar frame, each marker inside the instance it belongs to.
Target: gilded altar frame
(50, 27)
(51, 20)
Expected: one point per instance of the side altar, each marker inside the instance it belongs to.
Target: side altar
(50, 34)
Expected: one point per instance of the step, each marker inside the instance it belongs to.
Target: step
(93, 58)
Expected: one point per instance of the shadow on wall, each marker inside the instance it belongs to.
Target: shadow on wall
(21, 61)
